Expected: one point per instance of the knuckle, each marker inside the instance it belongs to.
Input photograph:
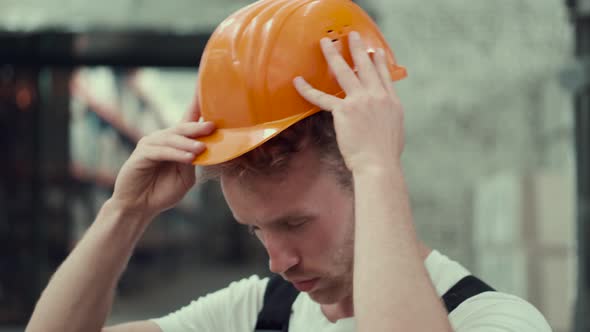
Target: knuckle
(380, 97)
(382, 100)
(169, 140)
(181, 127)
(158, 154)
(190, 126)
(330, 49)
(361, 99)
(159, 133)
(397, 103)
(199, 129)
(307, 89)
(401, 110)
(318, 95)
(143, 141)
(337, 63)
(350, 104)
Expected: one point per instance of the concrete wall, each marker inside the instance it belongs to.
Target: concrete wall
(482, 97)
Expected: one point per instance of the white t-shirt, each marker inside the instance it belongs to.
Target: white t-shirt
(236, 308)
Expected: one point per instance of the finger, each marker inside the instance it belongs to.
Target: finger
(345, 76)
(318, 98)
(194, 111)
(193, 129)
(384, 75)
(180, 142)
(168, 154)
(366, 70)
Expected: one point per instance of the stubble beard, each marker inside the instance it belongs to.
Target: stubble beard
(337, 284)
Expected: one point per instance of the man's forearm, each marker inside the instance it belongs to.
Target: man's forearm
(79, 296)
(392, 289)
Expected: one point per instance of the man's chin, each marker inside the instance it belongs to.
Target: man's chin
(327, 296)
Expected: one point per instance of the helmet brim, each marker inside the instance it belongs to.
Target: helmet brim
(225, 144)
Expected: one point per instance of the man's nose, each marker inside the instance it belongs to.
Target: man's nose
(281, 256)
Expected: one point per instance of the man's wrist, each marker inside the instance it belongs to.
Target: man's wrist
(379, 170)
(120, 211)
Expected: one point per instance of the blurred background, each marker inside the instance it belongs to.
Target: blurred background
(496, 103)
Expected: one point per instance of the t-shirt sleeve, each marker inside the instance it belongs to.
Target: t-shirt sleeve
(497, 312)
(234, 308)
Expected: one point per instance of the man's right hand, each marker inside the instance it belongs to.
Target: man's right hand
(159, 172)
(156, 176)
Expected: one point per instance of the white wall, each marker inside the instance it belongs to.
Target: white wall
(482, 97)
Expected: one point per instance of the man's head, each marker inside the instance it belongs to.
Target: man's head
(296, 194)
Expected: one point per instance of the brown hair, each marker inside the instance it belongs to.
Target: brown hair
(274, 156)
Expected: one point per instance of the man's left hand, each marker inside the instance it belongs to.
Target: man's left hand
(369, 120)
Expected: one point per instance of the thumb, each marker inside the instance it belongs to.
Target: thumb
(194, 111)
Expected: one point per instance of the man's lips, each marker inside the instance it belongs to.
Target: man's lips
(305, 285)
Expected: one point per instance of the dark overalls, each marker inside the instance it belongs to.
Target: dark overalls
(280, 295)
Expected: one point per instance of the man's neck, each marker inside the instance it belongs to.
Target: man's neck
(345, 308)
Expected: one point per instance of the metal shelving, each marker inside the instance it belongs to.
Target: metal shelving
(40, 181)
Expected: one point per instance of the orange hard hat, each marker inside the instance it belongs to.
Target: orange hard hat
(247, 69)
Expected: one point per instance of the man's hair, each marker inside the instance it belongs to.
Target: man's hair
(274, 156)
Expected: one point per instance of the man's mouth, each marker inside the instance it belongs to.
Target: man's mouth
(305, 285)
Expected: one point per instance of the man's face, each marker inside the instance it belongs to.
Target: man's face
(305, 220)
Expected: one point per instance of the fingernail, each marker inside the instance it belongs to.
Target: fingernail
(197, 144)
(189, 155)
(354, 35)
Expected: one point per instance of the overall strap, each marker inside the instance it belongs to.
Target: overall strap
(280, 295)
(276, 309)
(466, 288)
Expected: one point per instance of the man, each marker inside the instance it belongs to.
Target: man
(323, 191)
